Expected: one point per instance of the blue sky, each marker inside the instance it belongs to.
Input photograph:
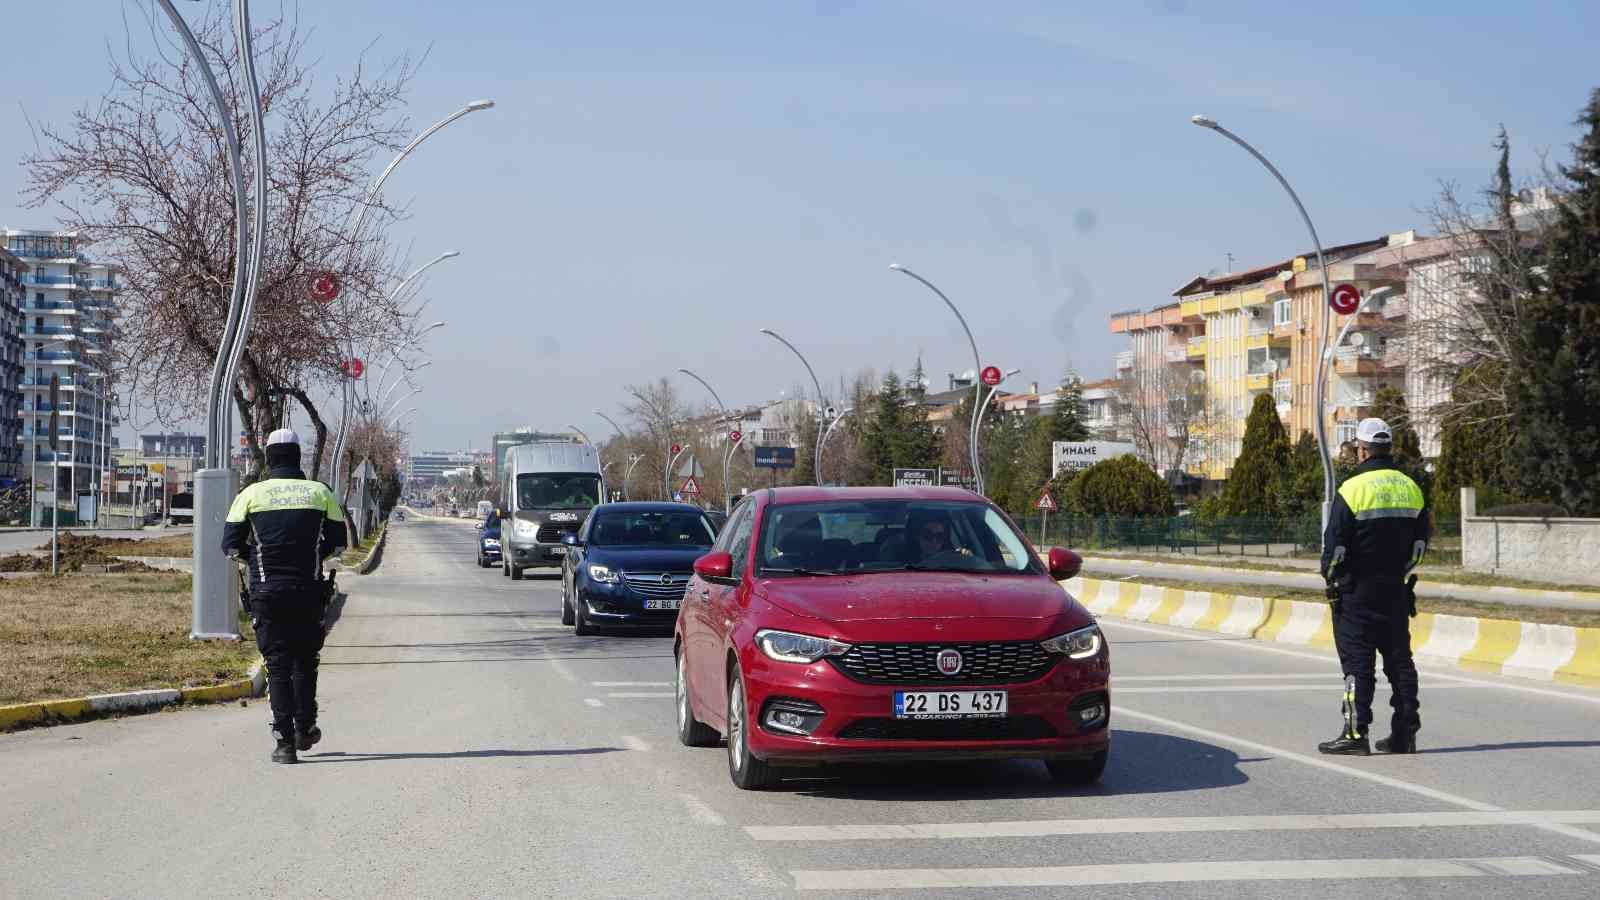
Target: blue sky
(658, 182)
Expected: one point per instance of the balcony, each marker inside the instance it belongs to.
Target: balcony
(1396, 308)
(1396, 353)
(1177, 353)
(1259, 326)
(1257, 381)
(101, 284)
(1356, 361)
(49, 356)
(50, 329)
(1124, 360)
(1197, 346)
(48, 280)
(49, 306)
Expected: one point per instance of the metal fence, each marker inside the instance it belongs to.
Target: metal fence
(1263, 537)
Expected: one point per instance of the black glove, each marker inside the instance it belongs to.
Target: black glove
(1411, 595)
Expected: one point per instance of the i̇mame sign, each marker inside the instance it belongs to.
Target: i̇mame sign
(1072, 456)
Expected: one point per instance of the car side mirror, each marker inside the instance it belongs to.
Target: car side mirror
(1064, 563)
(716, 564)
(571, 540)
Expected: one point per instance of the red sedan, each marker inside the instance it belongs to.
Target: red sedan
(874, 624)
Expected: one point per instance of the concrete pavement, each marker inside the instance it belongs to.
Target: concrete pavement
(475, 747)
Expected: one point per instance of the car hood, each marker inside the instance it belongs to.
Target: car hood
(646, 559)
(917, 595)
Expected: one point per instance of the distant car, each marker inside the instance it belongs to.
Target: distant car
(861, 624)
(489, 542)
(628, 565)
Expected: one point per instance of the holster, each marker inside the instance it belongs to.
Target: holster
(1411, 595)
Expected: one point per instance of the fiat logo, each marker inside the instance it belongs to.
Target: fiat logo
(949, 662)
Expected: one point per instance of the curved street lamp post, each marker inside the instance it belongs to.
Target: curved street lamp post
(1322, 265)
(822, 403)
(977, 370)
(727, 452)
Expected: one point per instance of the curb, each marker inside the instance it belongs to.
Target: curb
(1554, 653)
(1439, 586)
(375, 555)
(52, 712)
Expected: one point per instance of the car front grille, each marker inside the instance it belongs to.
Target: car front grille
(649, 584)
(1000, 662)
(551, 534)
(1013, 728)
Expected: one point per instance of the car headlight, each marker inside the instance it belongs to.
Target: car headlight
(1080, 644)
(524, 529)
(785, 646)
(602, 574)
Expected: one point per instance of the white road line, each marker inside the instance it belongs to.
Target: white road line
(1324, 763)
(616, 684)
(636, 744)
(1297, 676)
(700, 811)
(1264, 647)
(593, 702)
(1252, 688)
(563, 671)
(640, 695)
(1169, 825)
(1173, 872)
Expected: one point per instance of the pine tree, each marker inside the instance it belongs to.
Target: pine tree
(878, 440)
(1123, 486)
(805, 456)
(1303, 493)
(1389, 404)
(1473, 454)
(1254, 487)
(1556, 392)
(917, 444)
(1065, 423)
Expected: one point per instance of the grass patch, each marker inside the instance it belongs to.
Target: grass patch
(1544, 615)
(354, 556)
(85, 634)
(1437, 574)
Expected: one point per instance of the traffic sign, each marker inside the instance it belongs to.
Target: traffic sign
(734, 437)
(676, 449)
(774, 458)
(1345, 299)
(353, 367)
(990, 375)
(325, 287)
(690, 487)
(916, 477)
(1045, 501)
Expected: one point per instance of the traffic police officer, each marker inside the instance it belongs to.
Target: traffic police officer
(283, 528)
(1377, 532)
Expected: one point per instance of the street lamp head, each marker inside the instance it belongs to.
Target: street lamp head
(897, 267)
(450, 254)
(480, 104)
(1205, 122)
(685, 371)
(1011, 373)
(769, 332)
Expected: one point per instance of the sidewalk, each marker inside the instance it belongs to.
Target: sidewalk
(1311, 580)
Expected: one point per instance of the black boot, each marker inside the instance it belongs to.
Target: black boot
(1345, 745)
(305, 740)
(1398, 742)
(284, 752)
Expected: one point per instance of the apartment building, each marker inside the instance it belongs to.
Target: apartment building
(12, 271)
(67, 310)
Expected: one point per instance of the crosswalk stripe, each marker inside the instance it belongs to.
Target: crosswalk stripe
(1167, 825)
(1252, 688)
(616, 684)
(639, 695)
(1287, 676)
(1173, 872)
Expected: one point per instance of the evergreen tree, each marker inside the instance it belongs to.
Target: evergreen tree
(1556, 392)
(1065, 423)
(879, 437)
(1123, 486)
(1473, 454)
(1389, 404)
(805, 456)
(1254, 487)
(1303, 493)
(917, 444)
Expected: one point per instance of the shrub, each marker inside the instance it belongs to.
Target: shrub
(1123, 486)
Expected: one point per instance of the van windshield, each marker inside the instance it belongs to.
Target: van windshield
(557, 491)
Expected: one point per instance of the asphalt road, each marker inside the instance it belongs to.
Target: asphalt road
(476, 748)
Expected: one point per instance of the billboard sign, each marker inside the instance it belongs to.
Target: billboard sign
(916, 477)
(774, 457)
(1074, 456)
(960, 478)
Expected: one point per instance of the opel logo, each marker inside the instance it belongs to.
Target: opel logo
(949, 661)
(666, 579)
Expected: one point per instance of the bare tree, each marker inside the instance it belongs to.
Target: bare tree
(142, 173)
(660, 414)
(1164, 408)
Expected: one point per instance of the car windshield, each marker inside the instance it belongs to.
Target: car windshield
(557, 491)
(651, 529)
(856, 536)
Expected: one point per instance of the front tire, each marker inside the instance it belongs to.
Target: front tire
(1077, 771)
(747, 772)
(581, 626)
(566, 606)
(691, 731)
(516, 573)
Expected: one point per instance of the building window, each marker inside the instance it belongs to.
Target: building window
(1282, 312)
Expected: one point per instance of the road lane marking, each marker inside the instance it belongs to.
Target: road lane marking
(1327, 764)
(1175, 872)
(701, 811)
(1252, 688)
(563, 671)
(635, 743)
(640, 695)
(1167, 825)
(1297, 676)
(1259, 647)
(615, 684)
(593, 702)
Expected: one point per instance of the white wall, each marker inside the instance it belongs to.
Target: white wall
(1554, 550)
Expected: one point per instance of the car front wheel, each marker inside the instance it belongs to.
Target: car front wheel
(691, 731)
(747, 772)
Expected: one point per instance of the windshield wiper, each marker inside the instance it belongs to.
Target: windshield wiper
(919, 567)
(799, 571)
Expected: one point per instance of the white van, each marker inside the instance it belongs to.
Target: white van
(546, 491)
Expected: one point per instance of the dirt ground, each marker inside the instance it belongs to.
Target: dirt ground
(95, 634)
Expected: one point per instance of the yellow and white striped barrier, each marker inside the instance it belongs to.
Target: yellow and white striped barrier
(1558, 653)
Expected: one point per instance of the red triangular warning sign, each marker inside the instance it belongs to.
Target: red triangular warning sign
(1045, 502)
(690, 487)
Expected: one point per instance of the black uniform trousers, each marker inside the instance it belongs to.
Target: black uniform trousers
(1375, 619)
(289, 634)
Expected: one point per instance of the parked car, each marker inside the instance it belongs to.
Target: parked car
(489, 541)
(628, 565)
(859, 624)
